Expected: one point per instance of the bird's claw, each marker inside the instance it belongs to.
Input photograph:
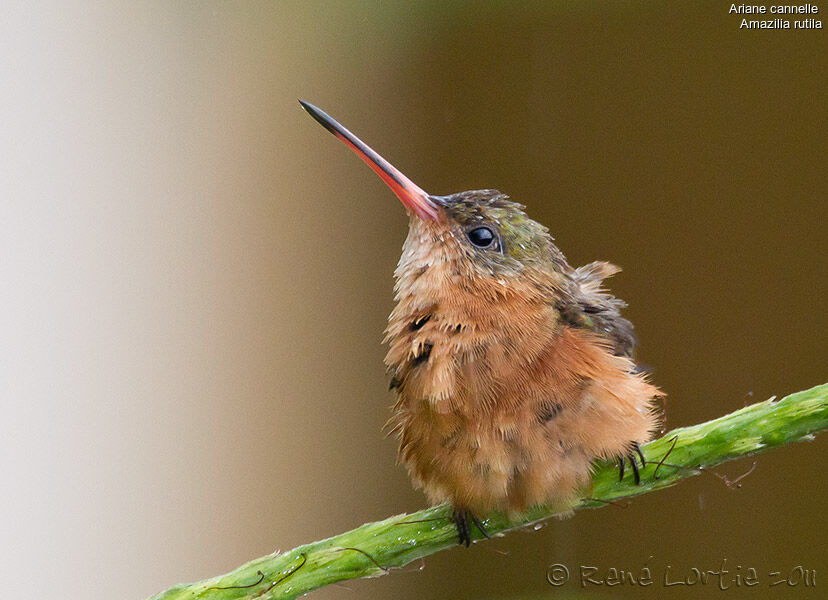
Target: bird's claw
(463, 520)
(636, 449)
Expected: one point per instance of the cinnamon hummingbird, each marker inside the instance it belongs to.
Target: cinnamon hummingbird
(513, 371)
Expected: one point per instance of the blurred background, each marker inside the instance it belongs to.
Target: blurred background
(196, 276)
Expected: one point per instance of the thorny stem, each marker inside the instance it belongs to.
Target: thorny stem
(374, 548)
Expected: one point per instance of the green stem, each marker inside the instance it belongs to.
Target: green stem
(375, 548)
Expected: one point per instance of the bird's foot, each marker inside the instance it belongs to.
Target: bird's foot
(463, 520)
(636, 450)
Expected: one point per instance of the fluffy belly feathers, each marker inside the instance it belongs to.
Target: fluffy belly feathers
(505, 415)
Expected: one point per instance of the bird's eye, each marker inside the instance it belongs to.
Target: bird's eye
(482, 237)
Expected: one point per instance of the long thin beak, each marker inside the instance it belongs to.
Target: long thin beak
(412, 196)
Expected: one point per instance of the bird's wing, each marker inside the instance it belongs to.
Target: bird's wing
(588, 305)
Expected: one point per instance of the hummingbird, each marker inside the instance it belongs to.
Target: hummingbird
(513, 371)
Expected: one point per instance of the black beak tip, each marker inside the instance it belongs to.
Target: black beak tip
(321, 117)
(311, 109)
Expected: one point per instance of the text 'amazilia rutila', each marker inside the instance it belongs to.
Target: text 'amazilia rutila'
(513, 370)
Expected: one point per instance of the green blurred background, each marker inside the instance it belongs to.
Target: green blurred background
(196, 276)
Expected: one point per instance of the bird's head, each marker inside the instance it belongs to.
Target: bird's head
(477, 235)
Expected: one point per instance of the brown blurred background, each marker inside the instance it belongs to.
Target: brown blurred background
(196, 276)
